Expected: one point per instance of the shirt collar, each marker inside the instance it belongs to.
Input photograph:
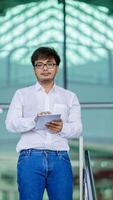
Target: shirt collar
(39, 87)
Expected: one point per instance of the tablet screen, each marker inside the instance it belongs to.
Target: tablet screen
(44, 119)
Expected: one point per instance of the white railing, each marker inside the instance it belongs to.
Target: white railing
(83, 105)
(81, 166)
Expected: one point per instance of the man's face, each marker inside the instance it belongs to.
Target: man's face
(45, 69)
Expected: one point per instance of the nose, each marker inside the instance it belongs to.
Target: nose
(45, 67)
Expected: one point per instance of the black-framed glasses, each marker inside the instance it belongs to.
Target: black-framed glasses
(41, 65)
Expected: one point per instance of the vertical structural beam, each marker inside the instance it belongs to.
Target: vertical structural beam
(8, 75)
(64, 46)
(81, 166)
(110, 62)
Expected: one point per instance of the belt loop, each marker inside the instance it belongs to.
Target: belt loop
(29, 152)
(45, 153)
(58, 153)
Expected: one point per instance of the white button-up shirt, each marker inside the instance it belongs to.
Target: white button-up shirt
(28, 102)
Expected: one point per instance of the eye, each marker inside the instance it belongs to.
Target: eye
(39, 65)
(50, 64)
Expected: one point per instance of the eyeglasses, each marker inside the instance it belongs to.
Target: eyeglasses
(48, 65)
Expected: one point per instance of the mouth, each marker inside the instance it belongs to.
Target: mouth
(45, 74)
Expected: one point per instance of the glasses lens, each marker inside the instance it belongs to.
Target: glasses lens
(40, 65)
(50, 65)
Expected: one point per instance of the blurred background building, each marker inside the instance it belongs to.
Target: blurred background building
(82, 33)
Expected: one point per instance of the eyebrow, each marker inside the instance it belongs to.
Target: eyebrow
(46, 62)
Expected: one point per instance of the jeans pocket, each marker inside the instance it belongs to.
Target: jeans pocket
(23, 157)
(65, 157)
(20, 159)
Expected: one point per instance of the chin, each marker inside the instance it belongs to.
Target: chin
(46, 79)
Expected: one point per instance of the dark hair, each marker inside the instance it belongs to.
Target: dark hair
(45, 52)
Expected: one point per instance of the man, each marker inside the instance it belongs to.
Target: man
(43, 160)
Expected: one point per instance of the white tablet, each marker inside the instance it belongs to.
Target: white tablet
(44, 119)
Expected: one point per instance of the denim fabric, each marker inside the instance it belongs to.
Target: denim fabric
(38, 170)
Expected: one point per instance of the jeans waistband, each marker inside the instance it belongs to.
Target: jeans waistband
(31, 150)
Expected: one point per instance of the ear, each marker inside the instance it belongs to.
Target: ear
(34, 69)
(57, 70)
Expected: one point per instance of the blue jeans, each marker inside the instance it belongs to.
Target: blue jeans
(38, 170)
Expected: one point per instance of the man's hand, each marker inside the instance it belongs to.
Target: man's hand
(41, 113)
(44, 113)
(55, 126)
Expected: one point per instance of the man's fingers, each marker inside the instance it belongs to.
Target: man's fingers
(56, 122)
(44, 113)
(53, 126)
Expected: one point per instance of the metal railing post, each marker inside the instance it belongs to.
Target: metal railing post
(81, 166)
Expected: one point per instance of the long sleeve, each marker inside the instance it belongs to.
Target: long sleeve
(73, 127)
(15, 122)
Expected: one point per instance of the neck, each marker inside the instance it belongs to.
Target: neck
(47, 85)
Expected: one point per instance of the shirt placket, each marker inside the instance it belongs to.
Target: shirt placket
(47, 108)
